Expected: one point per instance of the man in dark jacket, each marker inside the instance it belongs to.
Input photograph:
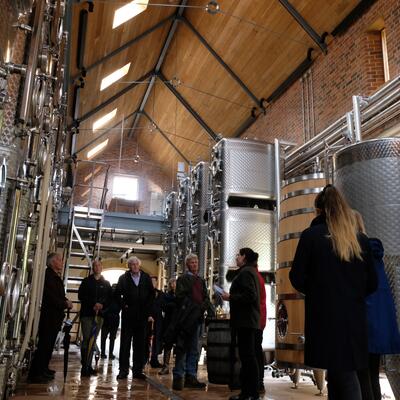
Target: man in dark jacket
(94, 295)
(157, 324)
(193, 301)
(135, 294)
(54, 303)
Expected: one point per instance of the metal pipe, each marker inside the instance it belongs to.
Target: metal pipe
(278, 177)
(357, 118)
(32, 61)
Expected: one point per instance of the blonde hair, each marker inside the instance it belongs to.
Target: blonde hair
(341, 222)
(359, 222)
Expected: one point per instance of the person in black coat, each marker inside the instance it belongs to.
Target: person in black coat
(54, 303)
(110, 326)
(95, 295)
(333, 268)
(135, 295)
(156, 328)
(244, 300)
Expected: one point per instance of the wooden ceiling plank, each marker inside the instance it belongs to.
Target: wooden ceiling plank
(115, 97)
(319, 40)
(222, 62)
(191, 110)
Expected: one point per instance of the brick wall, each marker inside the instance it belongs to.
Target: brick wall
(150, 175)
(352, 66)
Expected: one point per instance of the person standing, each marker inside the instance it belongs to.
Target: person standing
(192, 302)
(95, 295)
(383, 332)
(333, 268)
(54, 303)
(244, 300)
(157, 324)
(135, 295)
(110, 326)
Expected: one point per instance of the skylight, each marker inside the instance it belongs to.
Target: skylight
(103, 120)
(129, 11)
(97, 149)
(118, 74)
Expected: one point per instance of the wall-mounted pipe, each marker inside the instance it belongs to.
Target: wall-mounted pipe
(357, 118)
(80, 54)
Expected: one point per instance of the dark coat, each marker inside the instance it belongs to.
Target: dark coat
(136, 302)
(54, 301)
(335, 291)
(92, 291)
(383, 333)
(244, 299)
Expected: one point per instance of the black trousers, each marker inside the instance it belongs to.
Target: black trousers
(48, 332)
(369, 378)
(343, 385)
(249, 374)
(133, 335)
(260, 355)
(108, 329)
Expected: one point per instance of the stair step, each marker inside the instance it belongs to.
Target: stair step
(86, 209)
(79, 254)
(85, 228)
(72, 290)
(88, 216)
(78, 266)
(76, 278)
(84, 241)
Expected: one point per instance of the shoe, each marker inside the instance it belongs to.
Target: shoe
(139, 375)
(85, 373)
(39, 379)
(155, 364)
(47, 375)
(192, 382)
(122, 375)
(50, 371)
(177, 383)
(103, 356)
(92, 371)
(164, 371)
(112, 357)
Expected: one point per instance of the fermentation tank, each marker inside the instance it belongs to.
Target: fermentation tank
(368, 175)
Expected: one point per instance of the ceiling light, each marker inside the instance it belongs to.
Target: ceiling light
(129, 11)
(97, 149)
(116, 75)
(103, 120)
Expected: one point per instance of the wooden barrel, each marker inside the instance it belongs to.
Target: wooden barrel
(223, 364)
(297, 211)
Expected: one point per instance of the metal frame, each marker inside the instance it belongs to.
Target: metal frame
(222, 62)
(126, 45)
(188, 107)
(160, 62)
(115, 97)
(165, 137)
(319, 40)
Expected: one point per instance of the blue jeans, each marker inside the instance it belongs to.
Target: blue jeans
(187, 356)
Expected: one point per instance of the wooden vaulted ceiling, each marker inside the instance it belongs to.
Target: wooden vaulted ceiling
(259, 40)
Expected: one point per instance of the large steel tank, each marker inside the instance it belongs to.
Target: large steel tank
(368, 175)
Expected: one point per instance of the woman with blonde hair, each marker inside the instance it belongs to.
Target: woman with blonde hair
(333, 268)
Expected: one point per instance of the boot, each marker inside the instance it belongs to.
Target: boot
(165, 368)
(192, 382)
(177, 383)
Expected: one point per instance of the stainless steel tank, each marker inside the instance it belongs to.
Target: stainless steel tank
(368, 173)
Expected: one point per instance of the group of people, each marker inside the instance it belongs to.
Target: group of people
(349, 311)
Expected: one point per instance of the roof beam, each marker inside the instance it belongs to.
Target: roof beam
(160, 62)
(305, 25)
(126, 45)
(166, 137)
(249, 93)
(115, 97)
(104, 133)
(189, 108)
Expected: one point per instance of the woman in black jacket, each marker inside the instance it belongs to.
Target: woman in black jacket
(333, 268)
(244, 299)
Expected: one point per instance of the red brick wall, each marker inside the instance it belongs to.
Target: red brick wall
(352, 66)
(151, 177)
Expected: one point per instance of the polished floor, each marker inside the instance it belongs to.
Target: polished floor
(105, 385)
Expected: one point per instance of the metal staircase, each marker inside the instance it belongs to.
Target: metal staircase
(84, 234)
